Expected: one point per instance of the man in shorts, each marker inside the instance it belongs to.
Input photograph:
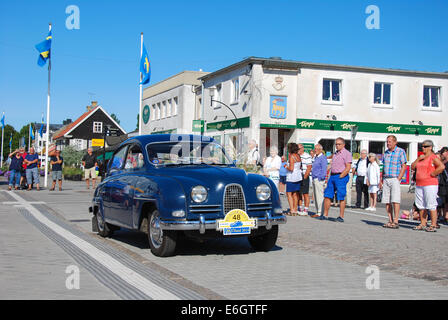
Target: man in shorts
(337, 182)
(394, 167)
(56, 170)
(89, 163)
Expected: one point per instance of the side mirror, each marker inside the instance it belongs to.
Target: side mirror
(235, 162)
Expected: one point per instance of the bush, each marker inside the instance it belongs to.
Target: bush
(72, 157)
(72, 173)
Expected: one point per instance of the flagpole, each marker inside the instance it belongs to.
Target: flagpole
(48, 117)
(42, 148)
(141, 90)
(29, 137)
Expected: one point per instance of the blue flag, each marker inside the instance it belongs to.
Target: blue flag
(41, 130)
(3, 120)
(44, 49)
(31, 132)
(145, 67)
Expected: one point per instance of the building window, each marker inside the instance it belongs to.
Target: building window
(431, 97)
(163, 109)
(97, 127)
(175, 102)
(153, 113)
(158, 111)
(331, 90)
(218, 96)
(235, 90)
(382, 93)
(169, 108)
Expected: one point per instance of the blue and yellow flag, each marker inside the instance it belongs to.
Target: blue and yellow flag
(3, 120)
(10, 141)
(41, 130)
(145, 67)
(44, 49)
(31, 132)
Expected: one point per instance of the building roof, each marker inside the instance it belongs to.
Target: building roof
(71, 126)
(182, 78)
(278, 63)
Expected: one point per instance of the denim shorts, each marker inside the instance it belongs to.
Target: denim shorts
(32, 175)
(56, 175)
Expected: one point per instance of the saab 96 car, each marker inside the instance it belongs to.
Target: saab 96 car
(165, 185)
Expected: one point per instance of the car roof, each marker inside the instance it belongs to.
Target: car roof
(149, 138)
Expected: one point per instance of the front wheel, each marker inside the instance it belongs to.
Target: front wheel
(104, 229)
(264, 242)
(162, 243)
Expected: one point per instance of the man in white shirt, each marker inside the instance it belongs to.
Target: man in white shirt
(307, 165)
(361, 187)
(253, 157)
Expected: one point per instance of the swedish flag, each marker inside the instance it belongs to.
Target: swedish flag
(44, 49)
(145, 67)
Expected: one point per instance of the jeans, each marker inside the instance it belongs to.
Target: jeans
(15, 176)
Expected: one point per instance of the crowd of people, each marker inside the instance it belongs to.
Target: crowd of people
(24, 169)
(329, 179)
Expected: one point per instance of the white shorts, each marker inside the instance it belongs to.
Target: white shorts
(373, 188)
(426, 197)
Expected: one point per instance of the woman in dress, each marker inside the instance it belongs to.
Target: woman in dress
(293, 178)
(428, 167)
(373, 180)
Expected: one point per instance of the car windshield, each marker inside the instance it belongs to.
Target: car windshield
(178, 153)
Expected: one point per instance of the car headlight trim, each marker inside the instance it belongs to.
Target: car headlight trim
(263, 192)
(199, 194)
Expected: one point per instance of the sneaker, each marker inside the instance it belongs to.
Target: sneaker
(322, 217)
(373, 209)
(368, 209)
(303, 213)
(339, 219)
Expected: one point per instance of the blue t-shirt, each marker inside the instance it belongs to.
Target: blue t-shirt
(283, 170)
(16, 163)
(32, 157)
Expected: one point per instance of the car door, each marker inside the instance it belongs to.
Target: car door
(115, 188)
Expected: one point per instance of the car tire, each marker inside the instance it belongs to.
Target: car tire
(264, 242)
(161, 242)
(104, 229)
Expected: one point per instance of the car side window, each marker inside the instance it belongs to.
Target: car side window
(118, 159)
(134, 159)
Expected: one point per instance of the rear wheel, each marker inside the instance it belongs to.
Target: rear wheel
(264, 242)
(162, 242)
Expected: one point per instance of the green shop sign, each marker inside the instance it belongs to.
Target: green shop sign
(198, 126)
(391, 128)
(276, 126)
(229, 124)
(145, 114)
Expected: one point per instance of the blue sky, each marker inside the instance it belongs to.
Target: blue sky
(100, 60)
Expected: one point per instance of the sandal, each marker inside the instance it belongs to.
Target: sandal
(419, 228)
(431, 229)
(391, 225)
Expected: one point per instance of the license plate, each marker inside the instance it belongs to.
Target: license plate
(236, 222)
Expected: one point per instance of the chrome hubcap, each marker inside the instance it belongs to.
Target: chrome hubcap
(155, 232)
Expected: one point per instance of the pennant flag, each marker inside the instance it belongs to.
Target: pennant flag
(41, 130)
(145, 67)
(44, 49)
(3, 120)
(31, 132)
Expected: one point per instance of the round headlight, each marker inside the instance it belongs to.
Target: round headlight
(199, 194)
(263, 192)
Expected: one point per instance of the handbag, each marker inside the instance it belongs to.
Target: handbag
(379, 195)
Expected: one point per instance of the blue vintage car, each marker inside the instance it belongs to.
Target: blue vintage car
(165, 185)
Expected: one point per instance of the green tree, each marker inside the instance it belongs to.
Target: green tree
(114, 116)
(72, 157)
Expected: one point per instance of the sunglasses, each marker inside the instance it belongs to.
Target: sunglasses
(426, 146)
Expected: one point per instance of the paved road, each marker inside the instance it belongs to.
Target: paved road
(44, 232)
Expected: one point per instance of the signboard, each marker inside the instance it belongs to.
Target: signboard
(198, 126)
(145, 115)
(390, 128)
(278, 107)
(97, 142)
(229, 124)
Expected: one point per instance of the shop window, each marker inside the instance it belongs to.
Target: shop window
(405, 147)
(378, 148)
(327, 146)
(356, 151)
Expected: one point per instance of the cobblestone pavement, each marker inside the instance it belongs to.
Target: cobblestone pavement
(313, 259)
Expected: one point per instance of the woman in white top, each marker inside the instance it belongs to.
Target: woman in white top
(373, 180)
(271, 168)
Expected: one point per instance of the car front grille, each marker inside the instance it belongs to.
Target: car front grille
(234, 198)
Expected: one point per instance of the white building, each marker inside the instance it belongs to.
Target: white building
(277, 101)
(171, 105)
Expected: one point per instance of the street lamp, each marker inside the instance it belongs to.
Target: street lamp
(240, 133)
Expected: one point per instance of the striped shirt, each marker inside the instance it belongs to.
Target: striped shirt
(393, 161)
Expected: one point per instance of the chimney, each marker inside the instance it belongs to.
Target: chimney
(93, 106)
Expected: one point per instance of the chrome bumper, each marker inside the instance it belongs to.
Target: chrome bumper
(267, 221)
